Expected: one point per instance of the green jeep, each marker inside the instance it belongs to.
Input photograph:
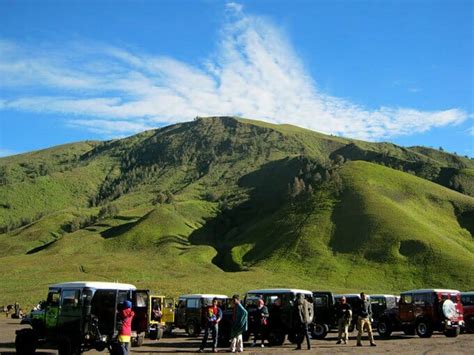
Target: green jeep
(80, 316)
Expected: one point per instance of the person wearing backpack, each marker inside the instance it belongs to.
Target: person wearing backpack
(303, 317)
(125, 317)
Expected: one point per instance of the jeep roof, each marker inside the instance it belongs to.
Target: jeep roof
(436, 290)
(95, 284)
(348, 295)
(202, 295)
(281, 290)
(382, 296)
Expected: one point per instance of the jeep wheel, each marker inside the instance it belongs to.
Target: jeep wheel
(452, 333)
(276, 338)
(26, 342)
(319, 331)
(153, 334)
(470, 324)
(138, 341)
(193, 329)
(384, 328)
(424, 329)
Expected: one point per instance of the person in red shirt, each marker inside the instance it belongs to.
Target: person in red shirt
(125, 317)
(213, 317)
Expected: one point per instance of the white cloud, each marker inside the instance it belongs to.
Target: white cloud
(256, 74)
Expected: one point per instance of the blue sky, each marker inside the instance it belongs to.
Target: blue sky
(399, 71)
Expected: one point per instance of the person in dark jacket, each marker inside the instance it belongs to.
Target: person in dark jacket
(125, 317)
(261, 323)
(364, 319)
(344, 316)
(213, 317)
(303, 316)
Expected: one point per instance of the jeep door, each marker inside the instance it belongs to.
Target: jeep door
(140, 300)
(52, 309)
(167, 310)
(323, 308)
(70, 311)
(194, 311)
(180, 314)
(406, 308)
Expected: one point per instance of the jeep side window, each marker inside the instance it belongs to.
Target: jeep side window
(193, 303)
(53, 298)
(321, 301)
(71, 298)
(407, 299)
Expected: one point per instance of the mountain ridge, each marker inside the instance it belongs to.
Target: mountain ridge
(230, 196)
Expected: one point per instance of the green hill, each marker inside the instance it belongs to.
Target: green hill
(224, 204)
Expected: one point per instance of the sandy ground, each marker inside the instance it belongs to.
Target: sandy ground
(180, 343)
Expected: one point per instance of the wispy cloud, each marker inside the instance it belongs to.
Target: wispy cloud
(255, 73)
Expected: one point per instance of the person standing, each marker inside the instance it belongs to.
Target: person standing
(213, 317)
(261, 323)
(239, 325)
(364, 319)
(344, 316)
(303, 317)
(125, 317)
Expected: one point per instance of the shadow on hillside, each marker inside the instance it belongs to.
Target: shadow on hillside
(41, 247)
(268, 186)
(122, 228)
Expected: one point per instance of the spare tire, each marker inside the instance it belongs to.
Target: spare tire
(449, 310)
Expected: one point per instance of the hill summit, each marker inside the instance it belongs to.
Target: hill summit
(224, 204)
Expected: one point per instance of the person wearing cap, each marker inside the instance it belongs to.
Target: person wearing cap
(261, 322)
(364, 319)
(344, 315)
(239, 325)
(125, 317)
(213, 317)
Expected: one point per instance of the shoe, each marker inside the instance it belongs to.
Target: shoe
(262, 346)
(359, 344)
(214, 350)
(339, 342)
(345, 342)
(373, 344)
(200, 350)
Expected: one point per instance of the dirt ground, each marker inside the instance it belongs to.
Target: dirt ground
(179, 343)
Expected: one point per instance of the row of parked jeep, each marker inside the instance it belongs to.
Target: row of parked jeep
(79, 316)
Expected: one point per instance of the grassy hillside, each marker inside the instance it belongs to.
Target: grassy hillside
(243, 202)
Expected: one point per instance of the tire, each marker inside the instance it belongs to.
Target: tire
(424, 329)
(153, 334)
(276, 338)
(452, 333)
(384, 328)
(193, 329)
(26, 342)
(138, 341)
(352, 326)
(470, 324)
(292, 337)
(319, 331)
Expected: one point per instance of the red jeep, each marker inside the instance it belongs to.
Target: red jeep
(424, 311)
(467, 300)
